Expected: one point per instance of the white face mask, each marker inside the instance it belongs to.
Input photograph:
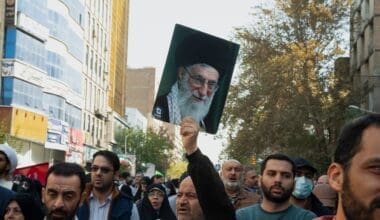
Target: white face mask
(303, 187)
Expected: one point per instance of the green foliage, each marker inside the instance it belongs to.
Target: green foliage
(5, 137)
(289, 97)
(149, 147)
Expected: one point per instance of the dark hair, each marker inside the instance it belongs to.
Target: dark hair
(350, 138)
(68, 169)
(125, 174)
(247, 168)
(110, 156)
(278, 156)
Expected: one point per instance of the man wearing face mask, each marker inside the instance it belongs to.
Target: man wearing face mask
(302, 195)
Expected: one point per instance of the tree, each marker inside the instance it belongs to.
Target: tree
(289, 97)
(176, 169)
(149, 147)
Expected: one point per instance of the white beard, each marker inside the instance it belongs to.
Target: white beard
(233, 186)
(189, 107)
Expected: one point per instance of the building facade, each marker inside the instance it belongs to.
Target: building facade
(56, 76)
(140, 89)
(41, 93)
(365, 53)
(96, 112)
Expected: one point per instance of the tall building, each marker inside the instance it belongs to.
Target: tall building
(118, 65)
(41, 89)
(96, 112)
(140, 89)
(365, 53)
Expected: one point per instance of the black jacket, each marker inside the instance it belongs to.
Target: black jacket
(210, 189)
(317, 206)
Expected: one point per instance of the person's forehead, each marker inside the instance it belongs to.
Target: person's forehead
(207, 72)
(187, 185)
(13, 204)
(369, 149)
(304, 170)
(63, 183)
(278, 165)
(101, 160)
(251, 173)
(2, 155)
(231, 164)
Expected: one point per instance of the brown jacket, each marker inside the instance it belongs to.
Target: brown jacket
(244, 198)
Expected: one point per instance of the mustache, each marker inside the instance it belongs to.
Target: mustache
(375, 204)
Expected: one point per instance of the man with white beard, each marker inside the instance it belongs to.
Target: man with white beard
(232, 177)
(196, 79)
(192, 94)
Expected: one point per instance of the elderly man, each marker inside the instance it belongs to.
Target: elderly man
(201, 72)
(232, 177)
(355, 172)
(8, 164)
(201, 195)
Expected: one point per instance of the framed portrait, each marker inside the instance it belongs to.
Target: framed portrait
(196, 78)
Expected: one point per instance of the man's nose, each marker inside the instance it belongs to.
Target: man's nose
(58, 202)
(203, 90)
(182, 200)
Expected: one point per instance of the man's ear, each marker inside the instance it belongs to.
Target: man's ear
(335, 173)
(43, 194)
(116, 175)
(259, 179)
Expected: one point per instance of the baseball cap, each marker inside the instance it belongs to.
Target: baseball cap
(301, 162)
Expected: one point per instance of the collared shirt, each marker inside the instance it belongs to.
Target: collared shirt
(99, 211)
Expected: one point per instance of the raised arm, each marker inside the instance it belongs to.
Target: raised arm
(210, 189)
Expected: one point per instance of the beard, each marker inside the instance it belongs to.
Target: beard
(231, 185)
(189, 107)
(275, 198)
(353, 208)
(64, 214)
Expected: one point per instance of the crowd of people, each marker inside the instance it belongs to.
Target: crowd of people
(286, 188)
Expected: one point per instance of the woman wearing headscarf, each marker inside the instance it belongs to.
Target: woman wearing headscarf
(145, 182)
(22, 206)
(155, 204)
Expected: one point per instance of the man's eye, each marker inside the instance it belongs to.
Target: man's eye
(52, 194)
(211, 84)
(69, 197)
(375, 169)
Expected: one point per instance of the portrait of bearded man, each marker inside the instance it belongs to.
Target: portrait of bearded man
(196, 78)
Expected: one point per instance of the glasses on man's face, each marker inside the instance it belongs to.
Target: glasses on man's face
(199, 81)
(156, 194)
(103, 170)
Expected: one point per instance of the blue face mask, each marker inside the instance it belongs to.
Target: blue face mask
(303, 187)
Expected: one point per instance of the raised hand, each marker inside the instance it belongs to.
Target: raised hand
(189, 132)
